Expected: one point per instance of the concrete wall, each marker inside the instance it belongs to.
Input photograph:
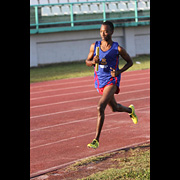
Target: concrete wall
(73, 46)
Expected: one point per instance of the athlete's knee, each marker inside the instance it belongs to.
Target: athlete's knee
(114, 109)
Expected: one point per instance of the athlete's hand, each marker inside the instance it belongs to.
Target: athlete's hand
(95, 59)
(114, 73)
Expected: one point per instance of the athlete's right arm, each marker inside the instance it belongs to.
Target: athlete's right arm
(90, 59)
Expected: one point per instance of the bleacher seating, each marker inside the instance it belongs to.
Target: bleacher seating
(76, 9)
(34, 2)
(55, 11)
(131, 6)
(46, 11)
(94, 8)
(87, 8)
(53, 1)
(43, 2)
(142, 5)
(112, 6)
(122, 6)
(65, 9)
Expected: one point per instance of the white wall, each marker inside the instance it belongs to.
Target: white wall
(74, 45)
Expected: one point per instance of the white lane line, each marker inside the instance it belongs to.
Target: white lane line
(86, 119)
(78, 92)
(62, 140)
(58, 89)
(82, 99)
(33, 86)
(64, 94)
(63, 83)
(62, 102)
(60, 112)
(67, 139)
(50, 90)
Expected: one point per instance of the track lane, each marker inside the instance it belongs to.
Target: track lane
(64, 82)
(56, 140)
(113, 136)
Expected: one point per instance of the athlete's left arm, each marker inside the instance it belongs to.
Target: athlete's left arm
(126, 57)
(128, 64)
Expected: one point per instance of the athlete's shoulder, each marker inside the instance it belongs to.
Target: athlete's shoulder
(95, 44)
(121, 50)
(92, 47)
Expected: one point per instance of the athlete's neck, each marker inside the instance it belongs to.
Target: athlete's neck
(107, 43)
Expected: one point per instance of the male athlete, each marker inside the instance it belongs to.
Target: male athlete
(107, 78)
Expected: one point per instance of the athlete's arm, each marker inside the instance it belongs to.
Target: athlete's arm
(90, 60)
(126, 57)
(128, 64)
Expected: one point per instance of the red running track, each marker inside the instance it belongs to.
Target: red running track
(63, 120)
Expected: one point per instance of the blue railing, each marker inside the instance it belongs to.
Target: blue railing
(51, 22)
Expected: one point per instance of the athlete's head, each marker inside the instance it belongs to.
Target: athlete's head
(106, 31)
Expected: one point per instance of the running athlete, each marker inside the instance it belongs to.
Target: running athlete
(107, 78)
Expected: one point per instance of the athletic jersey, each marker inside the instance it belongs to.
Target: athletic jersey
(109, 58)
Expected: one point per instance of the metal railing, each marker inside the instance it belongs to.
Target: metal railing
(40, 27)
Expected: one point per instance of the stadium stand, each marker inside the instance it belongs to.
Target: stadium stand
(63, 15)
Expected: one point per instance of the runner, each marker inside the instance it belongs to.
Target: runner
(107, 78)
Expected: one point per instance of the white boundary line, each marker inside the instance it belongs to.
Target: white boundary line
(71, 162)
(50, 90)
(77, 121)
(60, 112)
(82, 99)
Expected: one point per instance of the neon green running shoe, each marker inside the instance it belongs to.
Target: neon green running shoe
(133, 115)
(94, 144)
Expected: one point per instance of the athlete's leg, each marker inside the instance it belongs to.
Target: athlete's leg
(118, 107)
(108, 94)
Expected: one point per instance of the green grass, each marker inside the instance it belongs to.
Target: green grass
(134, 166)
(130, 163)
(87, 161)
(77, 69)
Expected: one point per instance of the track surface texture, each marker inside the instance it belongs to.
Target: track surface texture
(63, 117)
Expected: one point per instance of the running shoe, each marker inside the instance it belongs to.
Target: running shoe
(133, 115)
(94, 144)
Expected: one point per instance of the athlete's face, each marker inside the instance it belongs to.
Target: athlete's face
(106, 32)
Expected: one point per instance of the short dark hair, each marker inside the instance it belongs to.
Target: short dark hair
(110, 24)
